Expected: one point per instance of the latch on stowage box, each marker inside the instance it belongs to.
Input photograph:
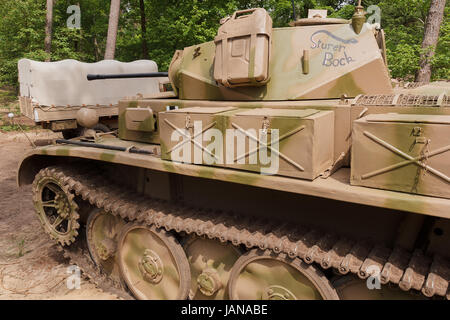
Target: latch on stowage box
(140, 119)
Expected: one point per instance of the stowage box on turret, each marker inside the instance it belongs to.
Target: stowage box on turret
(283, 165)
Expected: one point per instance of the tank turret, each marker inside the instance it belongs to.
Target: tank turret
(316, 58)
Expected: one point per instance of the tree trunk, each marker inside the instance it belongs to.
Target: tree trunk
(48, 29)
(143, 30)
(112, 30)
(97, 51)
(430, 39)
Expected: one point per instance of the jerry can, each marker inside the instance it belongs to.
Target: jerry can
(243, 49)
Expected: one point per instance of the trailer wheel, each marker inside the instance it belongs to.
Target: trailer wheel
(100, 127)
(71, 133)
(78, 132)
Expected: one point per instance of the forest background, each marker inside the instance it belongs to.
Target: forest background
(154, 29)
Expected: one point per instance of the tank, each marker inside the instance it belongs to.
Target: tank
(284, 165)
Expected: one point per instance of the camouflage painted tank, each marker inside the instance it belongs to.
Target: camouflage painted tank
(284, 165)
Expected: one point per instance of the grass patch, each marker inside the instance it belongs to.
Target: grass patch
(8, 104)
(14, 107)
(7, 96)
(11, 107)
(15, 127)
(21, 248)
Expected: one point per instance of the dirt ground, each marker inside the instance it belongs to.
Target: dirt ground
(30, 265)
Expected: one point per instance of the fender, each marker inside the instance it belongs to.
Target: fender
(322, 188)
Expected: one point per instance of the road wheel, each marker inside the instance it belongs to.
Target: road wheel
(210, 262)
(153, 264)
(350, 287)
(102, 232)
(263, 275)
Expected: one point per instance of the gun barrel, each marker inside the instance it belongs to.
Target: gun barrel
(92, 77)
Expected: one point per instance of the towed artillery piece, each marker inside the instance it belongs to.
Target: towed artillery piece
(57, 95)
(282, 166)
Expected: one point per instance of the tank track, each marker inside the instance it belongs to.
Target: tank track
(409, 271)
(79, 256)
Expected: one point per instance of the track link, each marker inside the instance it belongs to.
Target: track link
(397, 266)
(78, 255)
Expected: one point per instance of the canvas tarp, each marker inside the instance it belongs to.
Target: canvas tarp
(64, 82)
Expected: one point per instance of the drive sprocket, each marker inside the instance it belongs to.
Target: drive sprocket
(55, 206)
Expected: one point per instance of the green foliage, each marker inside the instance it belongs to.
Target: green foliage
(441, 60)
(6, 97)
(21, 248)
(404, 22)
(13, 127)
(20, 33)
(174, 24)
